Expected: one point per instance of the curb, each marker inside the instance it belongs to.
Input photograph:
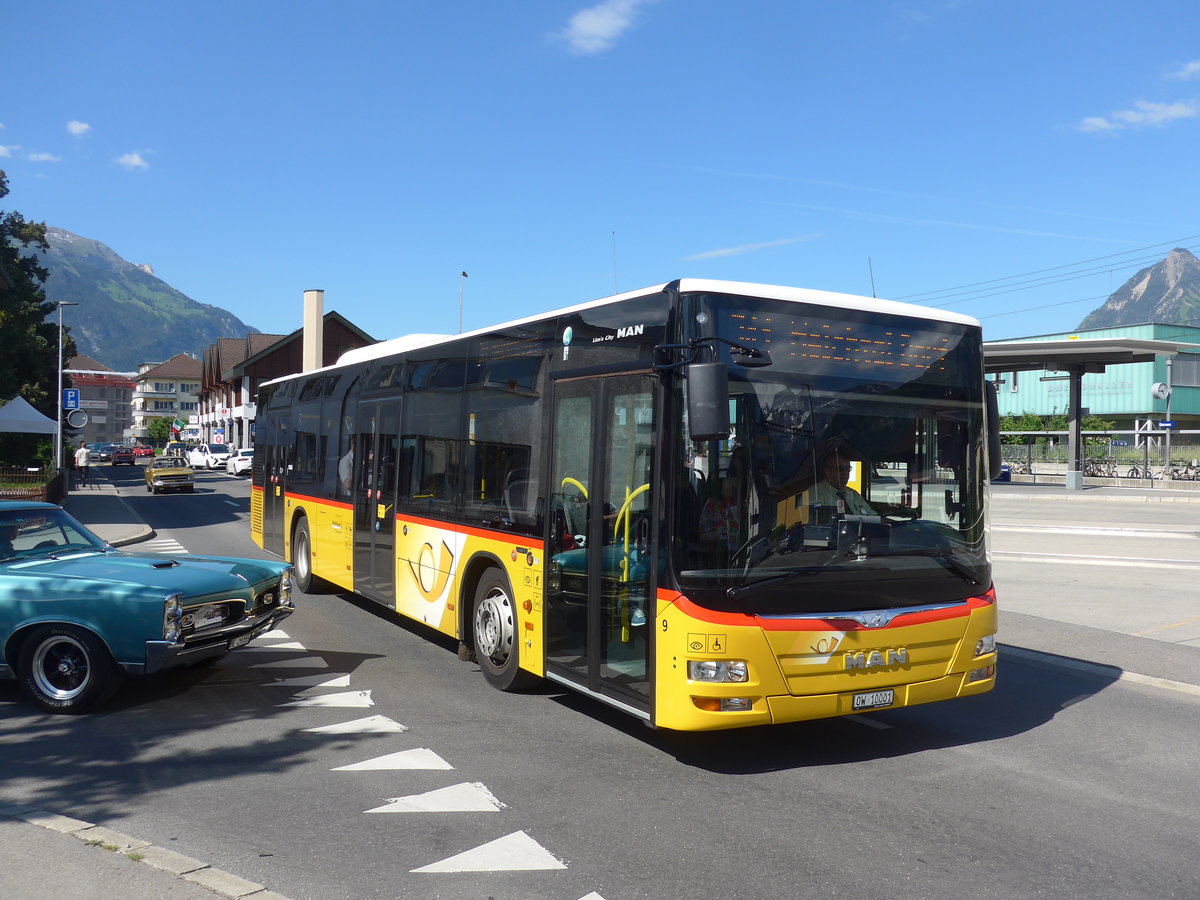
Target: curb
(200, 873)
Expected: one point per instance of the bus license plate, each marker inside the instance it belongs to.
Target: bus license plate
(874, 700)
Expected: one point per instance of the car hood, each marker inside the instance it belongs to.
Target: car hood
(134, 574)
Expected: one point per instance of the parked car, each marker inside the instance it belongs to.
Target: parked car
(101, 451)
(140, 450)
(76, 614)
(123, 456)
(169, 473)
(240, 462)
(207, 456)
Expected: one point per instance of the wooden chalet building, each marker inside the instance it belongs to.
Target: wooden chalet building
(233, 369)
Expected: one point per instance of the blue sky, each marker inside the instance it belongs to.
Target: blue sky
(558, 151)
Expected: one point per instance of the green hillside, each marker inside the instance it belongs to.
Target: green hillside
(126, 315)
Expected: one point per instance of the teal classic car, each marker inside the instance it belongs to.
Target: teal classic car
(77, 614)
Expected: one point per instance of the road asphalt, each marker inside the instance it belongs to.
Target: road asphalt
(45, 853)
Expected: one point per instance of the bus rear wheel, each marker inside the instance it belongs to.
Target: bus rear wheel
(497, 643)
(302, 561)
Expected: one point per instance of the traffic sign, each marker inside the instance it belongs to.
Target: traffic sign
(70, 398)
(1166, 424)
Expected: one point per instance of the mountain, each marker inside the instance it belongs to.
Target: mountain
(126, 315)
(1167, 292)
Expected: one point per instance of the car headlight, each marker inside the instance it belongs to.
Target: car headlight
(733, 670)
(285, 587)
(173, 618)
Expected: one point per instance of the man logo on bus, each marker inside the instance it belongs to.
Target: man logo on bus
(431, 578)
(874, 659)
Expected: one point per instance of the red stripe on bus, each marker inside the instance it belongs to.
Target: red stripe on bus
(320, 501)
(828, 623)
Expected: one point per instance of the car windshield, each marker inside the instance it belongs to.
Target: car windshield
(852, 478)
(168, 462)
(42, 531)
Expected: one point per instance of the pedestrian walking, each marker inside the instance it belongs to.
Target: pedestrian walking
(83, 459)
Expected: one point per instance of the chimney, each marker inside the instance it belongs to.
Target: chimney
(314, 329)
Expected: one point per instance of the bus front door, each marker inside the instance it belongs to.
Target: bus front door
(376, 443)
(274, 483)
(600, 580)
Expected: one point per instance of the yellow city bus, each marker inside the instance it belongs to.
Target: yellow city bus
(635, 498)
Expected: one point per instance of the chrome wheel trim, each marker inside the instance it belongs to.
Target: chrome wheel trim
(61, 667)
(494, 625)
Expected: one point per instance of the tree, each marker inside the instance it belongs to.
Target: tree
(28, 332)
(159, 430)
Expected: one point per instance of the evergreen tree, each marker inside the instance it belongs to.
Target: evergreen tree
(28, 332)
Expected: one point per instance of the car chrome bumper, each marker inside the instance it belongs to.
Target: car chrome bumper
(162, 655)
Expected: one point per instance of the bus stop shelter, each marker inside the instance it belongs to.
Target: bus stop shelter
(1076, 358)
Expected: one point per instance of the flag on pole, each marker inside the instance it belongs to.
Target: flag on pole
(176, 427)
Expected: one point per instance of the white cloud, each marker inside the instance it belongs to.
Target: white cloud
(748, 248)
(44, 157)
(78, 128)
(132, 161)
(596, 29)
(1144, 114)
(7, 151)
(1187, 71)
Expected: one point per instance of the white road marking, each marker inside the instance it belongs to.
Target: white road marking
(369, 725)
(517, 852)
(1099, 531)
(277, 634)
(162, 545)
(421, 758)
(268, 648)
(1181, 687)
(465, 797)
(299, 662)
(1132, 562)
(313, 681)
(348, 699)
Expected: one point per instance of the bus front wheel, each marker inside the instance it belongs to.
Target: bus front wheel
(496, 638)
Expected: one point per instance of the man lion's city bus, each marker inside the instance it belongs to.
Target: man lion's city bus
(627, 498)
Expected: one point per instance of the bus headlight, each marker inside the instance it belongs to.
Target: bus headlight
(172, 619)
(725, 671)
(985, 645)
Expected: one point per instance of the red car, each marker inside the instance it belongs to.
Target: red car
(122, 456)
(142, 450)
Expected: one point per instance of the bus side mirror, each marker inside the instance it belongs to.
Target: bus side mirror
(993, 429)
(708, 401)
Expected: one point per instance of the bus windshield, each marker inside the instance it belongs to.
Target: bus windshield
(852, 478)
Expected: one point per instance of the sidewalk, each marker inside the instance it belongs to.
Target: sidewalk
(99, 506)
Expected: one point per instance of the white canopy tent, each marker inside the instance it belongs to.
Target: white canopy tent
(17, 416)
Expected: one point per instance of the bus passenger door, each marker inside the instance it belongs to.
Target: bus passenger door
(600, 579)
(274, 482)
(376, 447)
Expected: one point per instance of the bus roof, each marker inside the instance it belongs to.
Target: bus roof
(683, 285)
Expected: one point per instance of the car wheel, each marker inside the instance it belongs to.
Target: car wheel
(302, 561)
(496, 641)
(66, 669)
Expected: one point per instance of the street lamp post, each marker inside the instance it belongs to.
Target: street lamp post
(462, 279)
(58, 437)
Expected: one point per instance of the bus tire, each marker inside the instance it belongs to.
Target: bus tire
(494, 634)
(302, 561)
(66, 669)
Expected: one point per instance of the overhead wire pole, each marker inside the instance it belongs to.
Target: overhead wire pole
(461, 281)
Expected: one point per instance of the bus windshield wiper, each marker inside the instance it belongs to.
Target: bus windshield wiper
(942, 555)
